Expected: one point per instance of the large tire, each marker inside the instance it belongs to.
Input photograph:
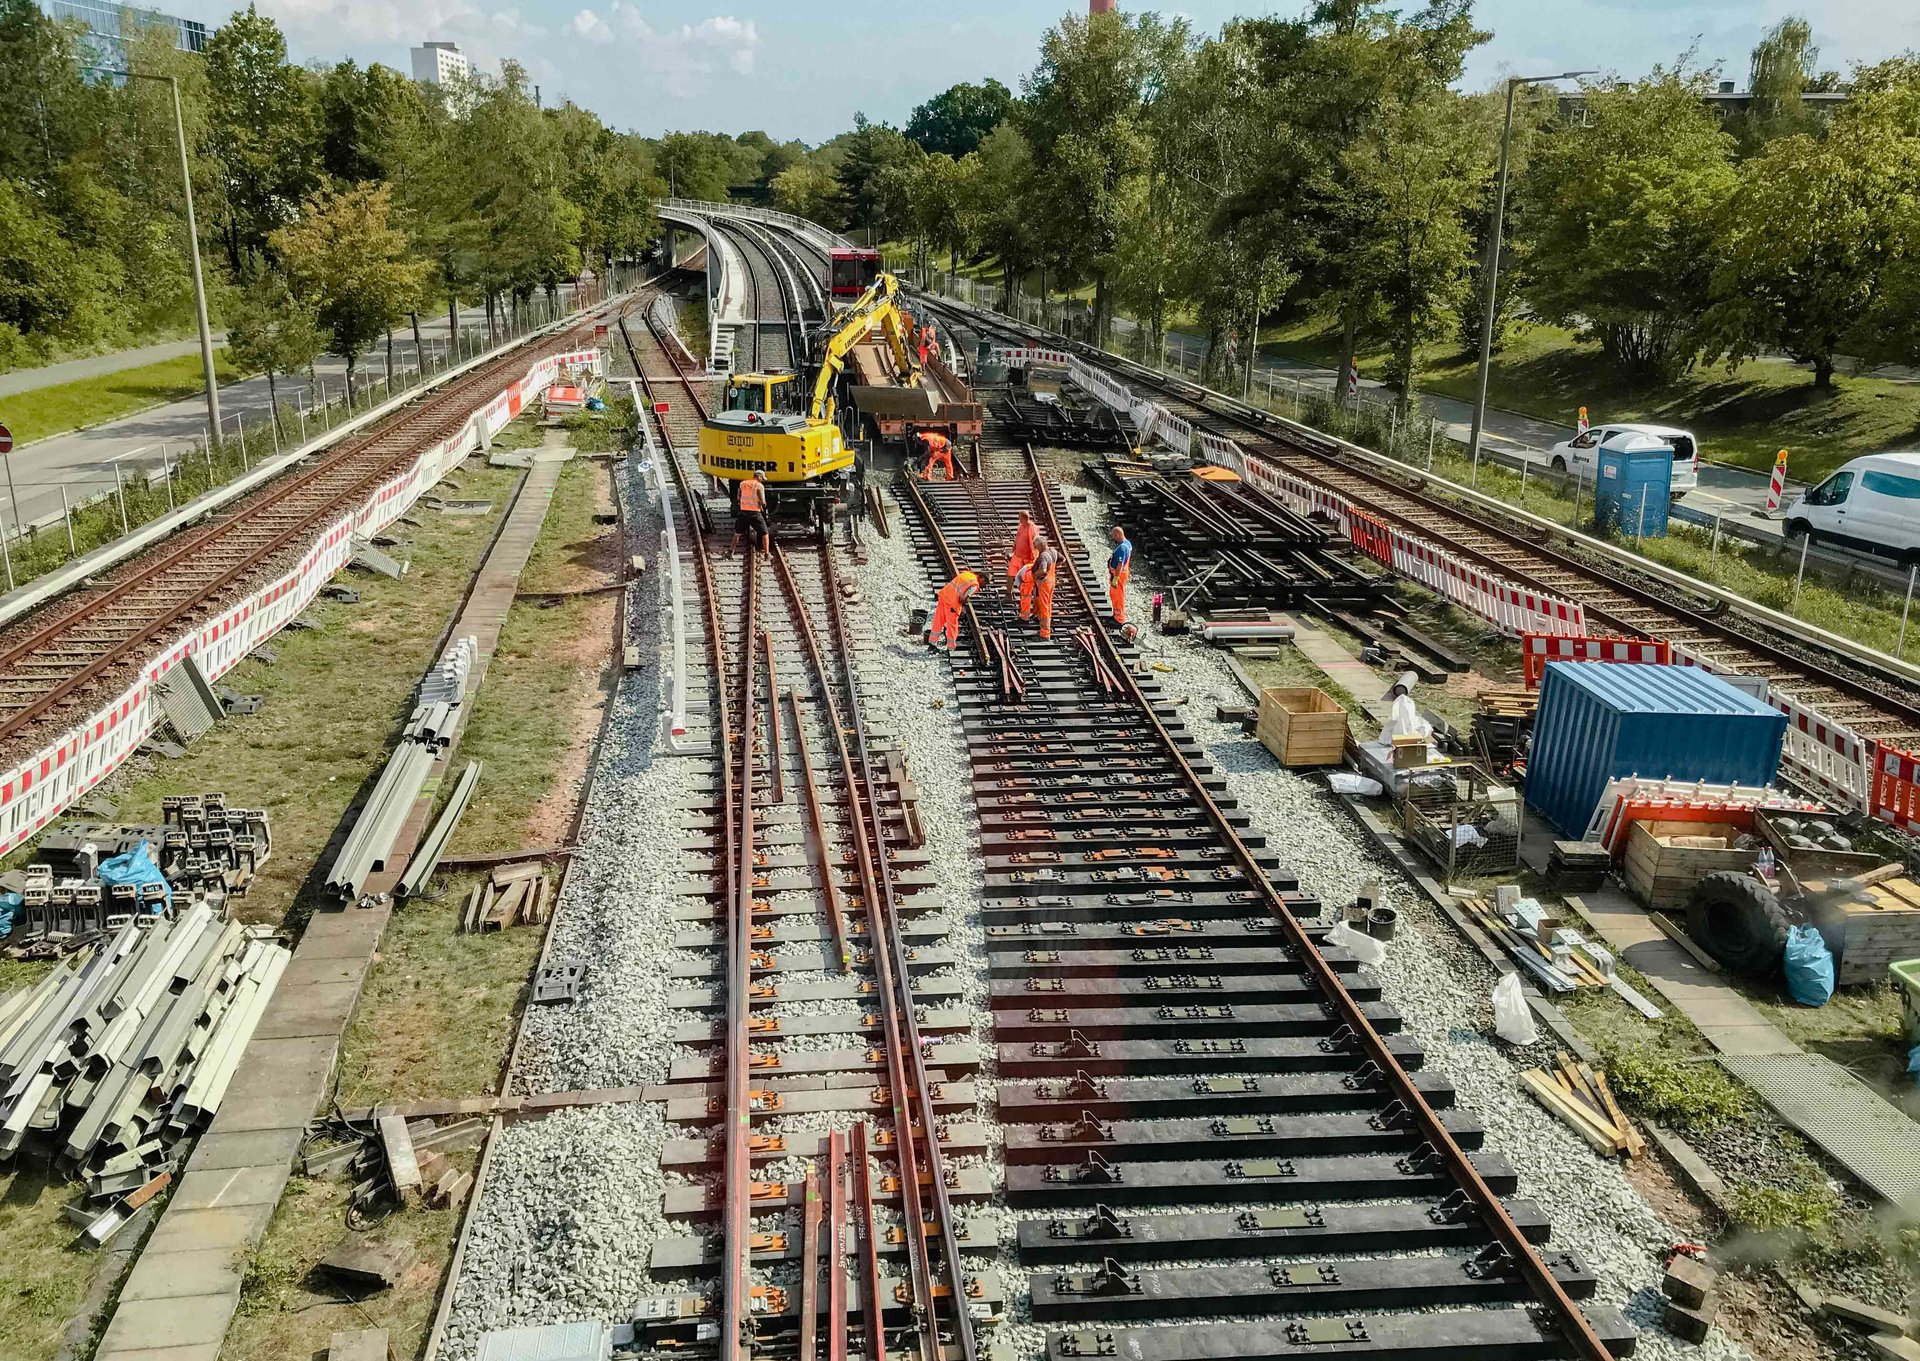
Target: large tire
(1739, 921)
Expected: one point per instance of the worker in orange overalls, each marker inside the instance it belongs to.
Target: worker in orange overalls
(946, 608)
(1119, 568)
(939, 450)
(1037, 580)
(753, 510)
(1022, 554)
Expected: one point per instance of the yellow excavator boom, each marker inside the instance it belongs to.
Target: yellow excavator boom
(876, 307)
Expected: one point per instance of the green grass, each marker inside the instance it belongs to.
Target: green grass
(1743, 415)
(40, 412)
(289, 1310)
(43, 1276)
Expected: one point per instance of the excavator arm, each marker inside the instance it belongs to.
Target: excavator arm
(875, 307)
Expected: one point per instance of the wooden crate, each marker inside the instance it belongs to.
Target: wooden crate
(1660, 874)
(1870, 933)
(1302, 727)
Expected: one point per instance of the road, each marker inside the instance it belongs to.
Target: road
(82, 463)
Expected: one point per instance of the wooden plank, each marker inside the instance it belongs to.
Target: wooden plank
(1636, 1144)
(1672, 930)
(1562, 1105)
(403, 1169)
(509, 874)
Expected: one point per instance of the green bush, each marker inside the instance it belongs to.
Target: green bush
(1693, 1095)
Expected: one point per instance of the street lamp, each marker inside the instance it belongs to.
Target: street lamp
(193, 242)
(1493, 260)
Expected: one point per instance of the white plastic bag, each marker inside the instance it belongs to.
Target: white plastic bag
(1512, 1017)
(1354, 786)
(1363, 948)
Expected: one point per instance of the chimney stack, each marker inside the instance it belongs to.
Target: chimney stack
(1101, 6)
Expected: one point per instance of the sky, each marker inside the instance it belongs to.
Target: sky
(802, 68)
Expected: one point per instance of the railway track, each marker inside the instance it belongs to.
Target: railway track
(1200, 1104)
(1872, 705)
(826, 1073)
(90, 642)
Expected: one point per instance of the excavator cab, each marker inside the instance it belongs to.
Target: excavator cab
(767, 393)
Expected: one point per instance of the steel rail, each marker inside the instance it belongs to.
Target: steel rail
(194, 547)
(1514, 525)
(900, 1034)
(737, 1168)
(1348, 1012)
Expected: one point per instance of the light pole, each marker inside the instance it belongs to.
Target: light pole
(193, 242)
(1493, 259)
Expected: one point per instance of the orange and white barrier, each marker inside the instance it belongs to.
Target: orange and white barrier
(1777, 484)
(39, 789)
(1538, 649)
(1629, 799)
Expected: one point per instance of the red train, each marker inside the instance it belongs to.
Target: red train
(852, 270)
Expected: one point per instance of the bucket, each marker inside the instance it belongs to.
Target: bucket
(917, 618)
(1382, 922)
(1906, 974)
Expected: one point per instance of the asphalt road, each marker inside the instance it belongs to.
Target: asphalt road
(82, 463)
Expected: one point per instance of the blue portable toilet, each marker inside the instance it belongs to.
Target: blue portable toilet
(1634, 486)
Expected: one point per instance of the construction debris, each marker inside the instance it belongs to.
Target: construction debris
(130, 1044)
(1692, 1289)
(358, 1344)
(358, 1261)
(511, 894)
(1579, 1095)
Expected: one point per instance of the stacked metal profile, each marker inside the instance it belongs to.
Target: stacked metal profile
(129, 1046)
(1232, 545)
(429, 730)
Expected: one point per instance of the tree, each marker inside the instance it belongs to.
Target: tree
(1621, 209)
(809, 191)
(692, 166)
(1816, 234)
(361, 117)
(955, 121)
(1087, 111)
(269, 329)
(345, 260)
(1782, 70)
(871, 151)
(1001, 191)
(262, 129)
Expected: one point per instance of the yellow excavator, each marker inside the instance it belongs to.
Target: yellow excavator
(764, 426)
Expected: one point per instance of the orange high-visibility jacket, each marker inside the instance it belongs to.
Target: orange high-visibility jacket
(752, 496)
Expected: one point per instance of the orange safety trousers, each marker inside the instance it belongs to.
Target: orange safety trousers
(946, 614)
(942, 455)
(1117, 592)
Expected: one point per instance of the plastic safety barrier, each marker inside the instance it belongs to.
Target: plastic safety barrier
(1024, 355)
(1540, 648)
(1896, 787)
(39, 789)
(1630, 799)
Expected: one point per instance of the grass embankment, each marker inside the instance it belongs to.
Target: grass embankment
(1743, 415)
(335, 697)
(439, 1009)
(60, 407)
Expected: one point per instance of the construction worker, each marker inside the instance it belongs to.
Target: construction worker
(939, 450)
(1022, 554)
(946, 608)
(753, 510)
(1119, 568)
(1037, 580)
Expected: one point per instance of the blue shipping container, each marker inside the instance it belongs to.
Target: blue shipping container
(1599, 720)
(1634, 487)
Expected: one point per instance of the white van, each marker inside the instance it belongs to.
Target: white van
(1582, 452)
(1872, 504)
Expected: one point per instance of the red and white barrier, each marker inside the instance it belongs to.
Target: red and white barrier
(1538, 649)
(1224, 452)
(1777, 484)
(1630, 799)
(39, 789)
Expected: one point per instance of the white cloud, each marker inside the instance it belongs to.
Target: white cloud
(586, 24)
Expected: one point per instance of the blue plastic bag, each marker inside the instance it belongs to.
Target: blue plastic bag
(136, 867)
(1913, 1062)
(1809, 966)
(10, 905)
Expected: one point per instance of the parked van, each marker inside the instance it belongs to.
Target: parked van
(1580, 454)
(1872, 504)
